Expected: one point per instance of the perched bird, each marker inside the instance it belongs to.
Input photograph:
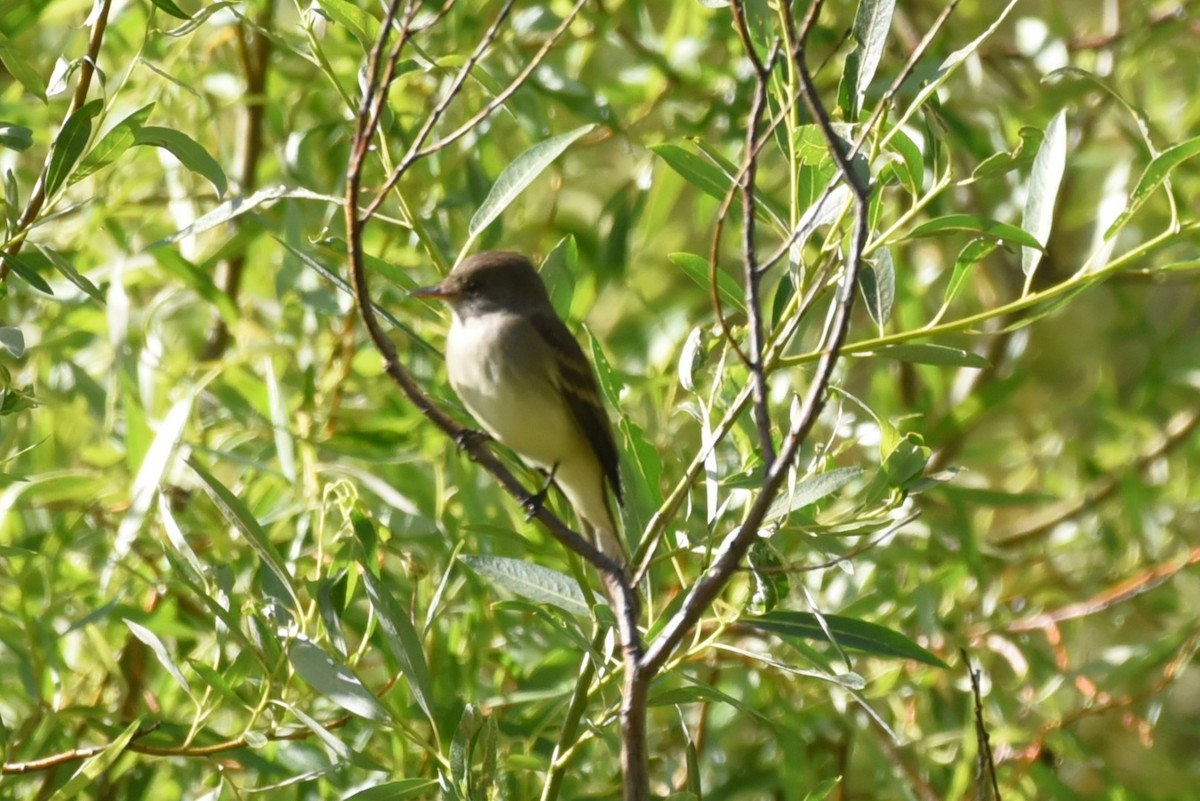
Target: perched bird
(523, 376)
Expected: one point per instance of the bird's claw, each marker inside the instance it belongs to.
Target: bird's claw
(468, 437)
(533, 504)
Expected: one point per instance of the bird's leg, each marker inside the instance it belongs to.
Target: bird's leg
(533, 503)
(468, 437)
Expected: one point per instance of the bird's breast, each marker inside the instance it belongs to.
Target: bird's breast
(505, 376)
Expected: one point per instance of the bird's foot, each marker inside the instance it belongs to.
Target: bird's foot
(468, 437)
(533, 504)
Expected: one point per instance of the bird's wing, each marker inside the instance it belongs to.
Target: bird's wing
(577, 383)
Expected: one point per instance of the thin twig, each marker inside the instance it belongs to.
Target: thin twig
(37, 197)
(734, 548)
(752, 277)
(986, 761)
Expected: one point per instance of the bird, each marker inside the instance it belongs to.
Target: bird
(521, 373)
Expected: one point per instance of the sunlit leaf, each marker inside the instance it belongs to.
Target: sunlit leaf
(187, 150)
(530, 581)
(335, 681)
(520, 174)
(858, 635)
(1048, 167)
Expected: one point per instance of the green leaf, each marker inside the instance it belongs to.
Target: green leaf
(152, 641)
(238, 514)
(857, 635)
(810, 490)
(518, 175)
(362, 25)
(113, 144)
(237, 206)
(558, 273)
(69, 144)
(771, 582)
(877, 280)
(1022, 154)
(872, 21)
(700, 173)
(15, 137)
(1152, 177)
(97, 766)
(200, 281)
(932, 354)
(1048, 167)
(19, 67)
(12, 340)
(531, 581)
(187, 150)
(696, 268)
(64, 266)
(150, 474)
(396, 791)
(335, 681)
(975, 225)
(24, 269)
(972, 253)
(403, 640)
(171, 8)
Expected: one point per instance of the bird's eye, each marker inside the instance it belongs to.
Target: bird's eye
(473, 285)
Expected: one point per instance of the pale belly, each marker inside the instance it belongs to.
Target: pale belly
(519, 407)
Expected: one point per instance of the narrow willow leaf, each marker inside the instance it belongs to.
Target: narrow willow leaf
(238, 514)
(531, 581)
(1048, 167)
(976, 225)
(871, 24)
(187, 150)
(558, 274)
(97, 766)
(237, 206)
(1019, 156)
(952, 63)
(396, 791)
(403, 640)
(850, 633)
(335, 681)
(877, 280)
(110, 147)
(696, 268)
(23, 267)
(703, 175)
(354, 18)
(18, 66)
(152, 641)
(171, 8)
(69, 144)
(1155, 173)
(932, 354)
(64, 266)
(519, 174)
(146, 484)
(810, 490)
(972, 253)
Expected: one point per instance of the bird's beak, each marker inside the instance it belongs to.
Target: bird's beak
(436, 292)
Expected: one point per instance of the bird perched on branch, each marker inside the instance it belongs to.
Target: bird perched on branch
(524, 377)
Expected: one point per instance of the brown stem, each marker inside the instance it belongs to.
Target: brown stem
(254, 52)
(37, 198)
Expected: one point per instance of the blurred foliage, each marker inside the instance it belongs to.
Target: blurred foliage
(227, 541)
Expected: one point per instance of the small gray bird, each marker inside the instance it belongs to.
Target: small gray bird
(523, 376)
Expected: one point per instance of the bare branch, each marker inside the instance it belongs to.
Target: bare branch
(734, 548)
